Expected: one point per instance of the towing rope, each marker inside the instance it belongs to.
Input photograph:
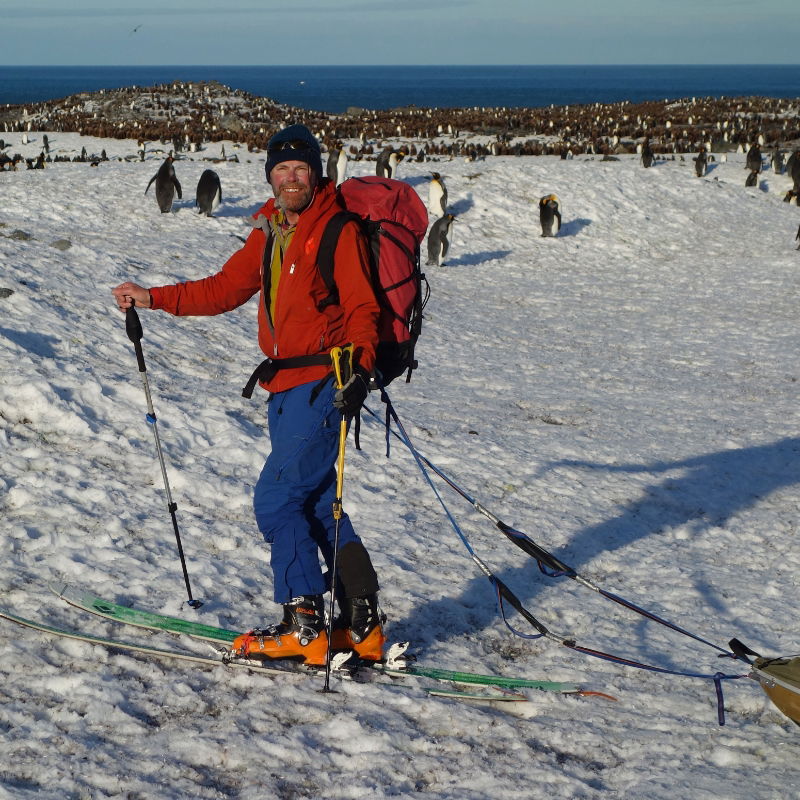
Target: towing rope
(550, 566)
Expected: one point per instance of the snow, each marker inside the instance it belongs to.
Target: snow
(624, 393)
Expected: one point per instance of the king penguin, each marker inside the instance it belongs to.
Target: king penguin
(209, 192)
(383, 168)
(439, 240)
(437, 195)
(754, 159)
(166, 185)
(701, 163)
(337, 165)
(550, 215)
(386, 164)
(647, 154)
(793, 171)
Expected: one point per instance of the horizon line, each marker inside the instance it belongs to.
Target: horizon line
(437, 66)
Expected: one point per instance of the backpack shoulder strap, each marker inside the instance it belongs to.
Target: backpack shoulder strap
(327, 248)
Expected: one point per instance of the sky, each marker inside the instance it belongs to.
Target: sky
(392, 32)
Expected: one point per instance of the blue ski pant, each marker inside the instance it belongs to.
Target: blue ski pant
(294, 494)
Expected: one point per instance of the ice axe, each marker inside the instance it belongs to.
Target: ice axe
(342, 358)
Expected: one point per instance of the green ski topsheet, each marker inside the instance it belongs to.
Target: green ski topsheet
(142, 619)
(153, 621)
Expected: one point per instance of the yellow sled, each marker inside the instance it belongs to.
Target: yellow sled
(780, 679)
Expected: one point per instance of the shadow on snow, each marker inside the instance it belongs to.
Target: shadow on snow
(714, 488)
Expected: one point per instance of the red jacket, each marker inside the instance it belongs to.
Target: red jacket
(298, 328)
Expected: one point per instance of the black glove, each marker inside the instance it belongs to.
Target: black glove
(352, 395)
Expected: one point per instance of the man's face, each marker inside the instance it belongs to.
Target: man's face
(293, 184)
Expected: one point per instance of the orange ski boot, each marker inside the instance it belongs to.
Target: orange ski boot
(360, 628)
(300, 636)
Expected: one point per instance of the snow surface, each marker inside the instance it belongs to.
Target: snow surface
(625, 393)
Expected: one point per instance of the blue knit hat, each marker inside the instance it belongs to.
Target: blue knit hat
(295, 143)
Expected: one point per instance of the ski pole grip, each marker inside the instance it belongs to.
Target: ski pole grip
(133, 327)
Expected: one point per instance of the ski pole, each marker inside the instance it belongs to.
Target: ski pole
(133, 327)
(342, 367)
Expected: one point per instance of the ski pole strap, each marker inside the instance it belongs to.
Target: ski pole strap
(270, 367)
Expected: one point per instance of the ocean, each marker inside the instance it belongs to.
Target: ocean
(334, 89)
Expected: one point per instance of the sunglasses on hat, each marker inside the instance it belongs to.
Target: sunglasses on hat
(294, 144)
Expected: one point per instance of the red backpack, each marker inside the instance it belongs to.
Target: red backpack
(394, 220)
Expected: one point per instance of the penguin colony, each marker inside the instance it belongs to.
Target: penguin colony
(188, 116)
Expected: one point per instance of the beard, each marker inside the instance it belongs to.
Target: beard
(294, 201)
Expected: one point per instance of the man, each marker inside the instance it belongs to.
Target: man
(298, 325)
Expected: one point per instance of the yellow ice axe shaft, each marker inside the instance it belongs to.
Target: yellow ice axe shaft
(342, 358)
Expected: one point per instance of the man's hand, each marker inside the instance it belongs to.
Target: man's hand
(127, 293)
(352, 395)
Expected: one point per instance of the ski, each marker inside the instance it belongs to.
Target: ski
(508, 697)
(117, 644)
(455, 676)
(142, 619)
(285, 668)
(223, 636)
